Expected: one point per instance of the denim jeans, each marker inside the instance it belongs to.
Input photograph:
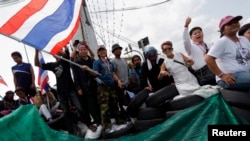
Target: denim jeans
(242, 82)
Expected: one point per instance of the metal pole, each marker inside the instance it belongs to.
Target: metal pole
(26, 53)
(88, 69)
(74, 63)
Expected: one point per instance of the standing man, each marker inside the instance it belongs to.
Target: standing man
(85, 84)
(23, 74)
(196, 50)
(65, 88)
(121, 70)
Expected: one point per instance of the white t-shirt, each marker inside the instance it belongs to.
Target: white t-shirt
(231, 56)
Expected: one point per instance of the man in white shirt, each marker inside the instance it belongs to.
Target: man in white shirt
(196, 50)
(229, 57)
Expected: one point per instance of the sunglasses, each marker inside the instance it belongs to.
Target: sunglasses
(165, 49)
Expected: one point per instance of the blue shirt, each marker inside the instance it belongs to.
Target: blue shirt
(105, 69)
(23, 75)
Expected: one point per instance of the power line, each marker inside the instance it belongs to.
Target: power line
(132, 8)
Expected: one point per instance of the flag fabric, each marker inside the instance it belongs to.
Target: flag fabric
(2, 81)
(43, 24)
(43, 77)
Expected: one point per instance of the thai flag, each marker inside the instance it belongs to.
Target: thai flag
(2, 81)
(43, 24)
(43, 77)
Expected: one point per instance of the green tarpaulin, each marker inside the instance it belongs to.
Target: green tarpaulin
(25, 124)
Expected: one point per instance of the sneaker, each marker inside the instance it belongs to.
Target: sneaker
(93, 135)
(49, 121)
(116, 127)
(109, 130)
(83, 127)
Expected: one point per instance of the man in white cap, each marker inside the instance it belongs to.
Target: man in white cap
(229, 57)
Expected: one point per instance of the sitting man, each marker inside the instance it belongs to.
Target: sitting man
(8, 104)
(229, 57)
(47, 104)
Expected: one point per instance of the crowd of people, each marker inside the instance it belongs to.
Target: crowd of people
(98, 88)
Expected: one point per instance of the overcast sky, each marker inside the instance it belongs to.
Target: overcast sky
(158, 23)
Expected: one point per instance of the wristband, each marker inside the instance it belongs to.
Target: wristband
(221, 74)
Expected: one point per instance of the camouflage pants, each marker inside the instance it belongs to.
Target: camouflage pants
(108, 100)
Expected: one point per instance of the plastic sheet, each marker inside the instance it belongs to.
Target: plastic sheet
(25, 124)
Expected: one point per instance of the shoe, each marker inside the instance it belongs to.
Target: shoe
(109, 130)
(83, 127)
(93, 135)
(50, 120)
(116, 127)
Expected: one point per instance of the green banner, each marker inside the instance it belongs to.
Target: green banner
(25, 124)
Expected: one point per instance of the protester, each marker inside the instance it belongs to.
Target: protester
(176, 64)
(229, 57)
(107, 94)
(65, 88)
(135, 74)
(196, 49)
(121, 71)
(23, 74)
(23, 99)
(151, 69)
(46, 104)
(75, 52)
(245, 31)
(85, 83)
(8, 104)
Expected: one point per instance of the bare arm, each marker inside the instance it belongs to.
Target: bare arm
(32, 76)
(92, 54)
(36, 60)
(117, 80)
(163, 72)
(73, 54)
(188, 60)
(186, 38)
(212, 65)
(226, 77)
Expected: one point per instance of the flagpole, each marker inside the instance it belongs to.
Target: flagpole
(74, 63)
(60, 57)
(26, 53)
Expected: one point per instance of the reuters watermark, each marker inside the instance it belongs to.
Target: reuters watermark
(239, 132)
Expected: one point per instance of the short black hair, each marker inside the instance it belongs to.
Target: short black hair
(135, 56)
(193, 29)
(16, 53)
(243, 29)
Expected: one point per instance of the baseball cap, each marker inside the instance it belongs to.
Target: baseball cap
(100, 47)
(228, 19)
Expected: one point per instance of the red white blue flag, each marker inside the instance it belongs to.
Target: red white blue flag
(43, 77)
(43, 24)
(2, 81)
